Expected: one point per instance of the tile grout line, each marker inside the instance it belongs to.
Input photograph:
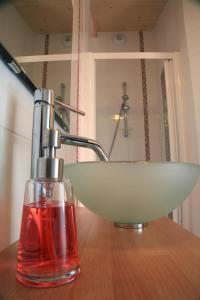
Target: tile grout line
(78, 76)
(45, 64)
(145, 99)
(15, 133)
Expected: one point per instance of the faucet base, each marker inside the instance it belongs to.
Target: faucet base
(130, 225)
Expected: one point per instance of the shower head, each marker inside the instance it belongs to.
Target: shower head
(125, 97)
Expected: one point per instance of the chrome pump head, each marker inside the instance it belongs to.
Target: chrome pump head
(49, 166)
(45, 140)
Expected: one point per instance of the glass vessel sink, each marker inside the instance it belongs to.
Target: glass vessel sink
(132, 192)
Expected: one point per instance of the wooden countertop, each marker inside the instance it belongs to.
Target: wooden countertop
(161, 262)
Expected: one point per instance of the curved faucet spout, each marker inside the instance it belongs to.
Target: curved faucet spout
(73, 140)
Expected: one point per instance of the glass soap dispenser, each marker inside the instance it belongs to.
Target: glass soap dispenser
(48, 247)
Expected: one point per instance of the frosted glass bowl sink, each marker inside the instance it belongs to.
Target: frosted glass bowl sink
(132, 192)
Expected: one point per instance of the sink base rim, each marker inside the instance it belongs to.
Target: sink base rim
(130, 225)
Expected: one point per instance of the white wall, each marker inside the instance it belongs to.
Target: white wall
(15, 127)
(15, 34)
(191, 15)
(172, 34)
(15, 148)
(103, 42)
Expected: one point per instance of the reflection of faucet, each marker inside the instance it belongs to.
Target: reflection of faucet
(62, 112)
(46, 139)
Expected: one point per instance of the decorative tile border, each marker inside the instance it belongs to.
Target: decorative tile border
(165, 116)
(145, 99)
(45, 64)
(78, 72)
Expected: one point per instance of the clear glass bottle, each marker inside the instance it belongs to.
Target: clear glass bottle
(48, 247)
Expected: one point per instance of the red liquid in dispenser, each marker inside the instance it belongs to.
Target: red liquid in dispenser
(48, 247)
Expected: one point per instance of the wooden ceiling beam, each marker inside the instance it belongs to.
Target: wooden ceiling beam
(126, 15)
(46, 16)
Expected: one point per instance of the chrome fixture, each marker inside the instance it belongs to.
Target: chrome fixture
(59, 100)
(63, 114)
(123, 113)
(137, 226)
(45, 139)
(70, 108)
(79, 141)
(62, 90)
(125, 108)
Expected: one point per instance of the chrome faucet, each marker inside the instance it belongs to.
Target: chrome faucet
(79, 141)
(46, 139)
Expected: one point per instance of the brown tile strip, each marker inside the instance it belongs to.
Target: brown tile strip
(145, 99)
(165, 116)
(78, 71)
(45, 64)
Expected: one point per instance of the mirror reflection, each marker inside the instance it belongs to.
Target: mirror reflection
(37, 28)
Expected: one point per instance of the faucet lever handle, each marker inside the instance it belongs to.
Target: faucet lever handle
(70, 108)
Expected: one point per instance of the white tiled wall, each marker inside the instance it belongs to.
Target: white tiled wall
(191, 13)
(15, 126)
(15, 148)
(170, 35)
(104, 42)
(109, 78)
(110, 75)
(178, 30)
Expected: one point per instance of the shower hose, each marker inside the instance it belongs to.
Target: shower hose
(115, 133)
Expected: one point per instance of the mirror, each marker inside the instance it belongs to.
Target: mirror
(39, 27)
(36, 27)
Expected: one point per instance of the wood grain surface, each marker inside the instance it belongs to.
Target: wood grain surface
(126, 15)
(46, 16)
(160, 262)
